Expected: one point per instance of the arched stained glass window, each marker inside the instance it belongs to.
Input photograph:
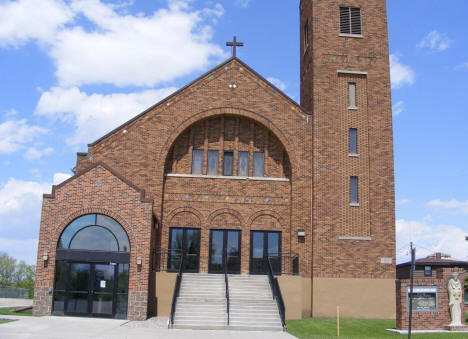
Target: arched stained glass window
(95, 232)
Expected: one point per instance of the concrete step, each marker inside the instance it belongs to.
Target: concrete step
(241, 327)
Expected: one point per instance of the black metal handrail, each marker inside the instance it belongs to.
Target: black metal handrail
(163, 257)
(226, 281)
(276, 291)
(175, 295)
(285, 263)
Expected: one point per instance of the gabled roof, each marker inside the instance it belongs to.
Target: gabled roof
(192, 83)
(436, 260)
(107, 168)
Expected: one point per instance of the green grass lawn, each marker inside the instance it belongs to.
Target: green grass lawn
(321, 328)
(6, 311)
(3, 321)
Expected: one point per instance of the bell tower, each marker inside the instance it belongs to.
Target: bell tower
(345, 84)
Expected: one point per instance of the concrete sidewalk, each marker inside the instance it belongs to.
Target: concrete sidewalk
(11, 302)
(155, 328)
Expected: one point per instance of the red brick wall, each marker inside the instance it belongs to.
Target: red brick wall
(325, 92)
(427, 320)
(141, 151)
(98, 191)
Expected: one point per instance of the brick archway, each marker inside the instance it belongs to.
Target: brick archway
(227, 111)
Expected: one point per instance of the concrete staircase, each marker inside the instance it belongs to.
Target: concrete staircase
(202, 302)
(252, 305)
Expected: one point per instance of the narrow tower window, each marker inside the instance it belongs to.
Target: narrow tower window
(306, 35)
(258, 164)
(354, 191)
(352, 95)
(353, 141)
(227, 163)
(243, 166)
(197, 161)
(350, 20)
(212, 163)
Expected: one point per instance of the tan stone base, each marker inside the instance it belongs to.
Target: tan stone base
(165, 283)
(357, 298)
(296, 295)
(462, 328)
(42, 304)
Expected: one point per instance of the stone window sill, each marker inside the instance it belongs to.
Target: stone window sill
(360, 36)
(174, 175)
(354, 155)
(354, 108)
(354, 204)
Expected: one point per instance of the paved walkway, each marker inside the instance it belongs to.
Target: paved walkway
(11, 302)
(155, 328)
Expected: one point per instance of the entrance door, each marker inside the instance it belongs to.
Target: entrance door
(103, 290)
(224, 244)
(265, 244)
(90, 289)
(180, 240)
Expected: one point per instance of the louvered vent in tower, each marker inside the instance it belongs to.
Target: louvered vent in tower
(350, 20)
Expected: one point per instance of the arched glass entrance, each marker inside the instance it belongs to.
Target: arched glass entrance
(92, 264)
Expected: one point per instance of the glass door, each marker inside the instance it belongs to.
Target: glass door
(103, 289)
(78, 289)
(180, 240)
(224, 244)
(263, 245)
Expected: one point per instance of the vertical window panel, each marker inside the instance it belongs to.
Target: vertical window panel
(243, 166)
(306, 35)
(212, 163)
(350, 20)
(258, 164)
(354, 190)
(352, 95)
(227, 163)
(353, 141)
(197, 161)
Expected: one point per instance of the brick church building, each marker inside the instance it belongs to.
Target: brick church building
(230, 173)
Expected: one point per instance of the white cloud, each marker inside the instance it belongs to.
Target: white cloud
(242, 3)
(24, 20)
(134, 50)
(61, 177)
(429, 239)
(33, 153)
(112, 46)
(435, 41)
(96, 114)
(15, 133)
(11, 112)
(17, 195)
(277, 83)
(454, 204)
(400, 74)
(398, 108)
(463, 66)
(403, 202)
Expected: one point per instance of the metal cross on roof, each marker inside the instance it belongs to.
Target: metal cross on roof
(234, 44)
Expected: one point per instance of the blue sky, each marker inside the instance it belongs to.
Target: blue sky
(73, 70)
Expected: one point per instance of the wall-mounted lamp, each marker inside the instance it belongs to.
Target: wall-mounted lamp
(301, 233)
(45, 258)
(139, 261)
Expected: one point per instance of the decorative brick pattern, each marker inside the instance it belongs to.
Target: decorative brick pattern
(427, 320)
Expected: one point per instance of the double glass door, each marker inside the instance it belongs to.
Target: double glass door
(184, 240)
(224, 248)
(264, 245)
(89, 289)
